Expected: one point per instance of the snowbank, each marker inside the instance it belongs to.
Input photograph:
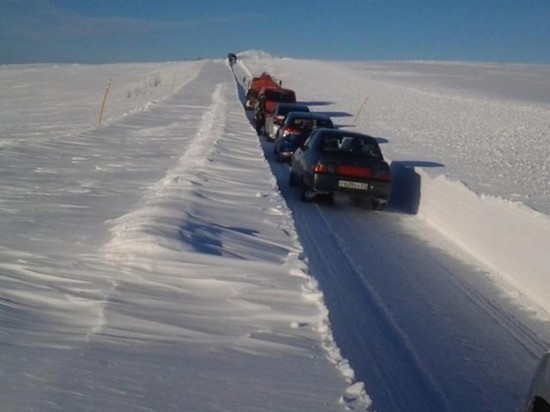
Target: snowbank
(508, 239)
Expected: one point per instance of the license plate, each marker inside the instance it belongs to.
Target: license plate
(353, 185)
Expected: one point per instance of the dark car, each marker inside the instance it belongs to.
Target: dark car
(539, 392)
(339, 161)
(294, 131)
(274, 120)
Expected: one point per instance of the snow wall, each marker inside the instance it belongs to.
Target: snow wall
(511, 240)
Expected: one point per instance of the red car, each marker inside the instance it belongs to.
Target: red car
(267, 99)
(256, 85)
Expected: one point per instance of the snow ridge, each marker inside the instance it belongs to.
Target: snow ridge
(135, 231)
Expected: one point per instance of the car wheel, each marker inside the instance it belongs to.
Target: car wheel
(292, 181)
(327, 198)
(306, 193)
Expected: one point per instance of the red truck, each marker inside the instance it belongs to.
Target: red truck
(257, 84)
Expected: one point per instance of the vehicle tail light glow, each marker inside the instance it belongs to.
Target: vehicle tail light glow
(290, 131)
(323, 168)
(383, 175)
(354, 171)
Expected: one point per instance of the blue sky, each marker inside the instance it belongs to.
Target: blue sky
(107, 31)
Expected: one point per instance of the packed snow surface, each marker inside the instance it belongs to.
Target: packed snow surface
(159, 261)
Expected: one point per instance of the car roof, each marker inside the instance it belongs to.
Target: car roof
(308, 115)
(269, 88)
(341, 132)
(277, 88)
(294, 105)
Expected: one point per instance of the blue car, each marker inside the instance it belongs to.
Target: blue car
(295, 130)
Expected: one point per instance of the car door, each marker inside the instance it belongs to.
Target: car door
(296, 161)
(269, 122)
(302, 157)
(309, 159)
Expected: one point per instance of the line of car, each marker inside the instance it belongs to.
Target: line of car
(324, 160)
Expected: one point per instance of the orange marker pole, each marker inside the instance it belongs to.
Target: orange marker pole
(360, 109)
(173, 81)
(103, 103)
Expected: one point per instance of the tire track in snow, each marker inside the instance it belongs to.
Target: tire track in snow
(390, 367)
(401, 305)
(442, 315)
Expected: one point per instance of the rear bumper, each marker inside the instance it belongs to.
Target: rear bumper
(285, 154)
(330, 184)
(286, 149)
